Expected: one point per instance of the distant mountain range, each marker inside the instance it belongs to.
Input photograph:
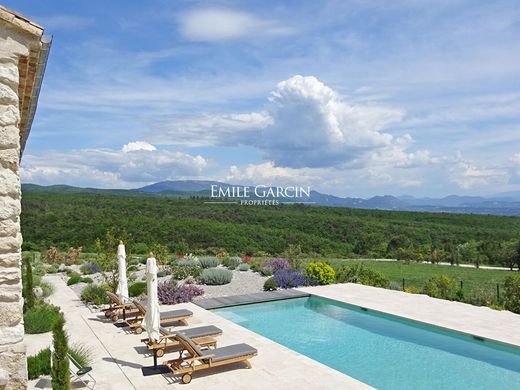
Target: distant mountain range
(501, 204)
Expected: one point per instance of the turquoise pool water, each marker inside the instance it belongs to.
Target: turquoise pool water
(382, 350)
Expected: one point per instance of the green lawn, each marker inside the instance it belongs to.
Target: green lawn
(415, 274)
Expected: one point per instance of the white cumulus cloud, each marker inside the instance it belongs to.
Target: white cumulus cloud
(110, 168)
(312, 126)
(137, 145)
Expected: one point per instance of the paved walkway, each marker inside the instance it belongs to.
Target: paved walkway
(119, 356)
(474, 320)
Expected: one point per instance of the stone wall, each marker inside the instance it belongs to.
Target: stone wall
(13, 46)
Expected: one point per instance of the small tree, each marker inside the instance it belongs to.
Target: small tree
(161, 255)
(73, 255)
(468, 253)
(53, 256)
(294, 254)
(107, 256)
(30, 298)
(60, 363)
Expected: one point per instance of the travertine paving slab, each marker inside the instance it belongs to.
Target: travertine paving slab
(474, 320)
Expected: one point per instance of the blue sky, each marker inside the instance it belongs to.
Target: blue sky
(354, 98)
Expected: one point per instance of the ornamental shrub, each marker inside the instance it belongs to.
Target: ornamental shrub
(277, 264)
(82, 354)
(360, 274)
(136, 289)
(231, 262)
(29, 296)
(216, 276)
(321, 272)
(244, 267)
(39, 364)
(90, 268)
(266, 271)
(53, 268)
(270, 284)
(209, 262)
(74, 278)
(512, 293)
(40, 318)
(94, 294)
(442, 286)
(188, 262)
(60, 363)
(179, 272)
(170, 293)
(286, 278)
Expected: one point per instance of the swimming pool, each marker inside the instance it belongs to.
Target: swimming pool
(384, 351)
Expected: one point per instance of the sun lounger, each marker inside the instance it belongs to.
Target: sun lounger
(202, 335)
(168, 318)
(117, 307)
(202, 359)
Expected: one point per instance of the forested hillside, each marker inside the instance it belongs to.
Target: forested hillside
(77, 219)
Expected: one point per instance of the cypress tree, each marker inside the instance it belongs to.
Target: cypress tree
(29, 292)
(60, 362)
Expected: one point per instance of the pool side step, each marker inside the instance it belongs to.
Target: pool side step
(236, 300)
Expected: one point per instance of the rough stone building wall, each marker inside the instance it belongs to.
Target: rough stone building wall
(15, 47)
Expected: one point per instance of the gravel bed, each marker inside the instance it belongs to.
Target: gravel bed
(243, 282)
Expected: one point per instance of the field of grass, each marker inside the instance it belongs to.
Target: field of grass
(475, 281)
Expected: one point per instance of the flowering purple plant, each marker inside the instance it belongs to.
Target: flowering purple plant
(286, 278)
(170, 294)
(277, 264)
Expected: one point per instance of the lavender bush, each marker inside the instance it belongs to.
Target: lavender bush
(277, 264)
(286, 278)
(169, 293)
(90, 268)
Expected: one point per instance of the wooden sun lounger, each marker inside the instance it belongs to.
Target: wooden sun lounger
(117, 307)
(200, 359)
(168, 318)
(202, 335)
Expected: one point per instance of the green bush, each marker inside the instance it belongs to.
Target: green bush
(191, 262)
(270, 284)
(181, 273)
(360, 274)
(132, 267)
(40, 318)
(60, 363)
(74, 278)
(136, 289)
(209, 262)
(82, 354)
(321, 272)
(442, 286)
(512, 293)
(162, 274)
(231, 262)
(94, 294)
(39, 364)
(216, 276)
(244, 267)
(47, 289)
(53, 268)
(266, 271)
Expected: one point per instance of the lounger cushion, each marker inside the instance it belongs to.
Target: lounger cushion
(230, 352)
(200, 331)
(176, 314)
